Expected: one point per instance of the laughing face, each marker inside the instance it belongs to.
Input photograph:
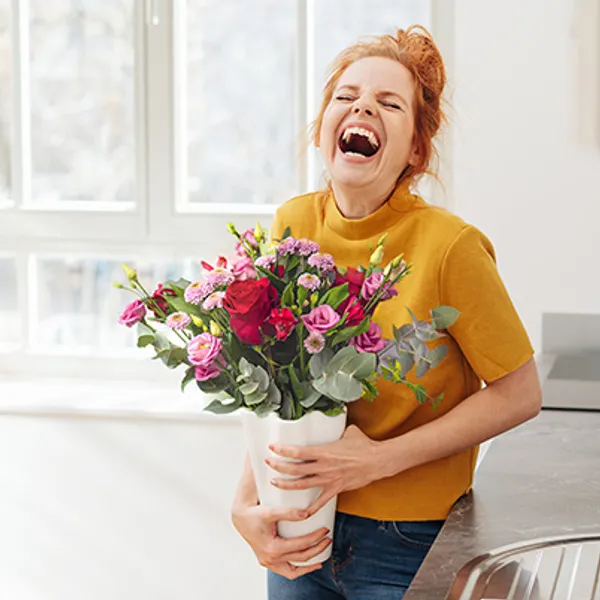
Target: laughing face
(368, 127)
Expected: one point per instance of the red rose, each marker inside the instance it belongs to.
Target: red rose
(158, 298)
(355, 279)
(284, 321)
(249, 304)
(355, 312)
(280, 270)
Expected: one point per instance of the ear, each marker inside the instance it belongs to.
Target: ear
(414, 156)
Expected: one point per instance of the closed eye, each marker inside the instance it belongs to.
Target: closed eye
(393, 105)
(344, 98)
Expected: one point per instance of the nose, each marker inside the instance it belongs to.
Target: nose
(363, 105)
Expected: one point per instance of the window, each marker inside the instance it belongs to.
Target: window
(134, 130)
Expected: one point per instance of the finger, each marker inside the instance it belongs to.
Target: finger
(291, 468)
(304, 483)
(297, 452)
(272, 515)
(321, 501)
(309, 553)
(283, 546)
(292, 572)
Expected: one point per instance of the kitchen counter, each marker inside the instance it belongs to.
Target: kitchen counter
(539, 480)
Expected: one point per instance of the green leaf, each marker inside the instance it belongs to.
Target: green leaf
(412, 316)
(180, 305)
(418, 390)
(245, 368)
(189, 376)
(345, 387)
(318, 363)
(249, 388)
(287, 298)
(218, 408)
(213, 386)
(426, 333)
(438, 401)
(177, 286)
(371, 391)
(322, 386)
(437, 355)
(422, 368)
(175, 357)
(404, 331)
(292, 263)
(302, 295)
(310, 397)
(145, 340)
(444, 317)
(262, 378)
(361, 366)
(340, 359)
(287, 407)
(287, 232)
(334, 412)
(350, 332)
(407, 362)
(335, 296)
(295, 383)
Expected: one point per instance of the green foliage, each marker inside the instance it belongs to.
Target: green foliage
(335, 296)
(444, 317)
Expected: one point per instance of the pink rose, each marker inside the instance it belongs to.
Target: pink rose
(133, 313)
(205, 373)
(204, 349)
(321, 319)
(243, 269)
(371, 341)
(372, 285)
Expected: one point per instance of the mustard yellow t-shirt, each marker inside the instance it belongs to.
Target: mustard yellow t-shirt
(454, 265)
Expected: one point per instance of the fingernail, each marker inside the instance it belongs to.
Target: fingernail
(303, 514)
(273, 482)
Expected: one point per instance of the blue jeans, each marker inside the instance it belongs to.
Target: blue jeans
(371, 560)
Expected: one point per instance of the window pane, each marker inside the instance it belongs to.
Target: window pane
(78, 306)
(82, 100)
(5, 100)
(241, 101)
(10, 324)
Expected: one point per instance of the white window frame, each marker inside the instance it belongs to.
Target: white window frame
(154, 226)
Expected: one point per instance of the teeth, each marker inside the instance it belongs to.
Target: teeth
(361, 131)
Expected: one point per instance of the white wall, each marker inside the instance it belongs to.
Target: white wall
(118, 509)
(527, 149)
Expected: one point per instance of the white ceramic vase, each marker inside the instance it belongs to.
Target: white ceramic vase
(312, 429)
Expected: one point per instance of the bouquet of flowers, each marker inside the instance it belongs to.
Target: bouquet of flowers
(281, 329)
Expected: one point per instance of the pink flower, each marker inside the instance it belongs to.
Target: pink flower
(372, 284)
(178, 320)
(308, 281)
(314, 343)
(265, 261)
(243, 269)
(323, 262)
(204, 349)
(288, 246)
(248, 235)
(215, 300)
(205, 373)
(134, 312)
(307, 247)
(196, 292)
(219, 277)
(321, 319)
(371, 341)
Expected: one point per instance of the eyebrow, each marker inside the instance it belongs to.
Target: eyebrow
(355, 88)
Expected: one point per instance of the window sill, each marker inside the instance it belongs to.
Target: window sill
(99, 399)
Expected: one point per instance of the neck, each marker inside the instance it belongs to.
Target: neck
(357, 203)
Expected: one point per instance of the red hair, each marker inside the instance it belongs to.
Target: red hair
(415, 49)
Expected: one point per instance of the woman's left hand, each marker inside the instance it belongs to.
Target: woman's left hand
(348, 464)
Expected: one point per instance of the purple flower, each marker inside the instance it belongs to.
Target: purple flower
(205, 373)
(178, 320)
(265, 261)
(323, 262)
(371, 287)
(307, 247)
(288, 246)
(215, 300)
(243, 269)
(371, 341)
(308, 281)
(321, 319)
(134, 312)
(204, 349)
(314, 343)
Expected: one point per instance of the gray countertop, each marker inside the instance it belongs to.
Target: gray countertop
(539, 480)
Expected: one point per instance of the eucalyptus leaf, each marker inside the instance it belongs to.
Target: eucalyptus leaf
(407, 362)
(413, 317)
(175, 357)
(310, 397)
(145, 340)
(287, 407)
(426, 333)
(422, 368)
(249, 388)
(255, 398)
(218, 408)
(444, 317)
(322, 386)
(341, 358)
(403, 332)
(245, 368)
(437, 355)
(213, 386)
(261, 377)
(189, 376)
(361, 366)
(318, 363)
(345, 387)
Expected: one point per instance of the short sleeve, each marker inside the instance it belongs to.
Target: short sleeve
(489, 330)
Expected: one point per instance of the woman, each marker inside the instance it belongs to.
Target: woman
(400, 466)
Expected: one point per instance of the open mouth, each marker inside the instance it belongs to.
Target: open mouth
(358, 141)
